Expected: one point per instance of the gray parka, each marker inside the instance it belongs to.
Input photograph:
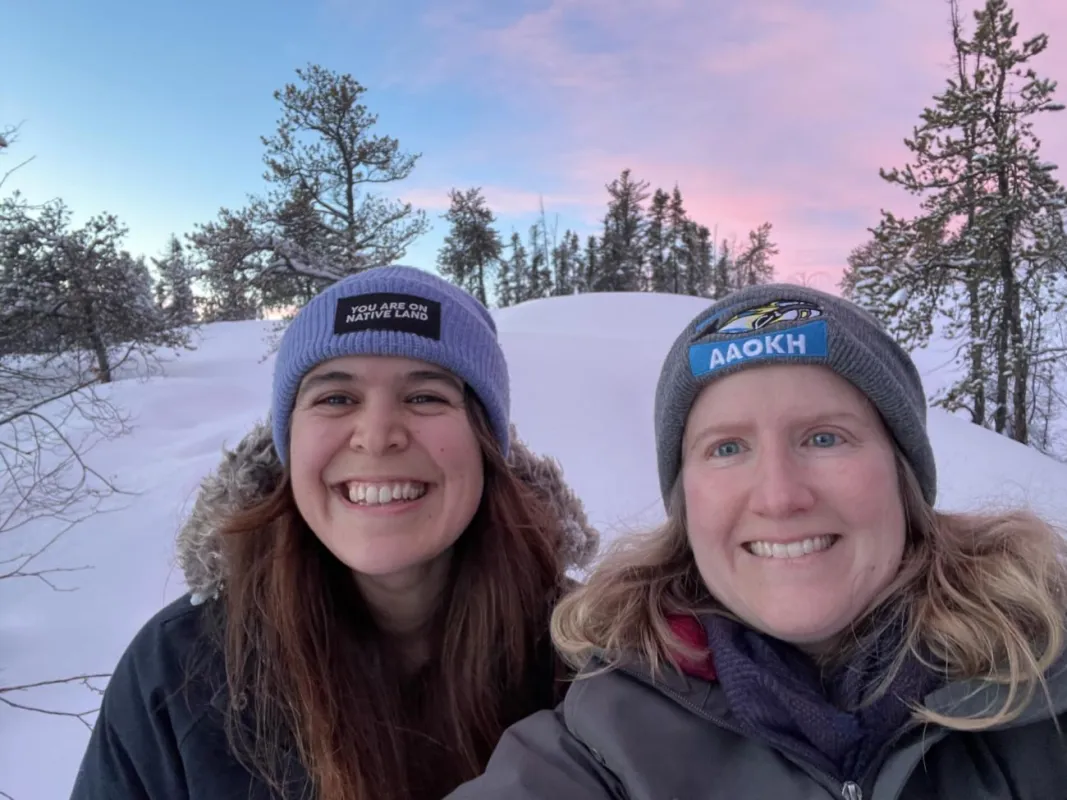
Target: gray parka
(624, 735)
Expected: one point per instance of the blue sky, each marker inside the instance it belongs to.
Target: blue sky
(778, 110)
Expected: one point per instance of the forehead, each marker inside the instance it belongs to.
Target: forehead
(780, 389)
(373, 369)
(368, 366)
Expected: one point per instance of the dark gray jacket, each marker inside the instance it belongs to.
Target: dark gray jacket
(624, 735)
(160, 735)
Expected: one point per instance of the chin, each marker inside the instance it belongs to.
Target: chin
(384, 567)
(804, 633)
(385, 562)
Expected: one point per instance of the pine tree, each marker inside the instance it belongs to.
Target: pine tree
(620, 266)
(505, 292)
(320, 218)
(722, 277)
(471, 252)
(567, 264)
(513, 282)
(174, 289)
(753, 264)
(539, 281)
(697, 258)
(659, 280)
(676, 242)
(82, 291)
(989, 205)
(229, 266)
(590, 267)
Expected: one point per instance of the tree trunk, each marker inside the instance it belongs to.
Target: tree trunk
(96, 342)
(1000, 412)
(977, 376)
(1021, 370)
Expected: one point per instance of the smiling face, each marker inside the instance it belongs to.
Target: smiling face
(792, 501)
(385, 466)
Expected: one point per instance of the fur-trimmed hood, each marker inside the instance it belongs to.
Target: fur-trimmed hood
(250, 471)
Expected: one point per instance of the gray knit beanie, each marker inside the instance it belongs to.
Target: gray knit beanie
(792, 325)
(394, 311)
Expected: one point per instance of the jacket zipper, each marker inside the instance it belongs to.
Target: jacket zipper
(850, 790)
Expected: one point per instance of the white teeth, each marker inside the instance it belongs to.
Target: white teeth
(373, 494)
(792, 549)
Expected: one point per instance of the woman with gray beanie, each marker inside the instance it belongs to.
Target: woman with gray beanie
(371, 576)
(804, 624)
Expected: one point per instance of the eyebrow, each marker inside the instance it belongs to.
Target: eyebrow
(340, 376)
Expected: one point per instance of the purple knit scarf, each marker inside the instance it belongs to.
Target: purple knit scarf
(777, 694)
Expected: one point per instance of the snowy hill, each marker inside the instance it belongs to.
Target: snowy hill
(584, 370)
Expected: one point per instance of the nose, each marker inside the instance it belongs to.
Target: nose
(378, 428)
(781, 487)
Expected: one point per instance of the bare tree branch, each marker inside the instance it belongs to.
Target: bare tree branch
(84, 680)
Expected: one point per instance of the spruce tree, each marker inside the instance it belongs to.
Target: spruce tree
(174, 287)
(696, 255)
(472, 249)
(513, 285)
(566, 264)
(677, 244)
(754, 265)
(539, 269)
(590, 265)
(722, 277)
(656, 244)
(621, 260)
(990, 207)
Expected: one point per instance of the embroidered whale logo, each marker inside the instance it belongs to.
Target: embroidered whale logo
(753, 319)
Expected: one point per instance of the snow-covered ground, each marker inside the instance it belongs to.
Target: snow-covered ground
(584, 370)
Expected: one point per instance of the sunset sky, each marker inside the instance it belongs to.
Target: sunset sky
(762, 110)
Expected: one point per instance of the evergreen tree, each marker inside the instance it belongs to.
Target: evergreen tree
(590, 266)
(513, 283)
(697, 257)
(79, 290)
(567, 264)
(677, 244)
(753, 264)
(320, 218)
(659, 280)
(620, 266)
(472, 249)
(505, 292)
(174, 289)
(722, 277)
(990, 209)
(229, 264)
(539, 270)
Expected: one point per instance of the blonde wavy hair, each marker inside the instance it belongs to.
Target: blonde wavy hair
(983, 596)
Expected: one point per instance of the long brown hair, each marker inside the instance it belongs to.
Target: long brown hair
(312, 680)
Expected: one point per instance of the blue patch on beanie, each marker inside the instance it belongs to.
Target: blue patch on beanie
(794, 325)
(394, 311)
(804, 341)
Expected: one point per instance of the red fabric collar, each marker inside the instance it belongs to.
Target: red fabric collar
(690, 632)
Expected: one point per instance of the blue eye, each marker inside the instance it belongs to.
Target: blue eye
(726, 449)
(825, 439)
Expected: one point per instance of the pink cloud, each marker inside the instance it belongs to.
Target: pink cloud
(774, 110)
